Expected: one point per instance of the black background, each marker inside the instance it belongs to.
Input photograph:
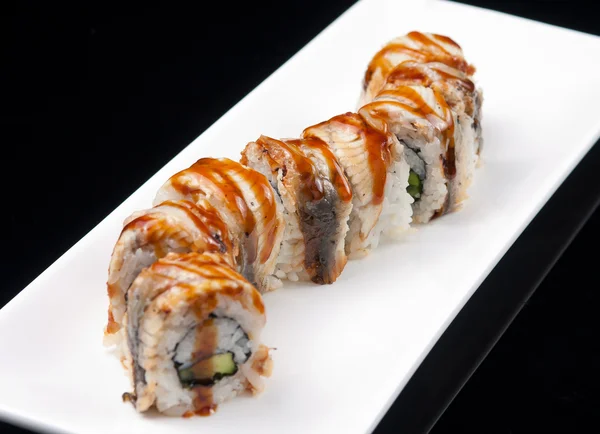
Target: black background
(96, 99)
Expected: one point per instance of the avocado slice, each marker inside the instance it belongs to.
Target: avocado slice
(223, 364)
(206, 371)
(415, 186)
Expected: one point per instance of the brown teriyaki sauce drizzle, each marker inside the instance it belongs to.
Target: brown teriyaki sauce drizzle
(415, 73)
(420, 108)
(222, 174)
(336, 173)
(208, 222)
(278, 151)
(375, 142)
(205, 345)
(314, 206)
(202, 304)
(429, 51)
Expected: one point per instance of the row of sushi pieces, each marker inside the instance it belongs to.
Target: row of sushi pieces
(186, 276)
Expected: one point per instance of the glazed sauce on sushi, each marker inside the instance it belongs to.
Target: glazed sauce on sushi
(208, 223)
(338, 178)
(203, 401)
(205, 345)
(378, 151)
(139, 222)
(218, 172)
(204, 266)
(230, 178)
(444, 55)
(381, 62)
(208, 266)
(420, 108)
(296, 168)
(235, 290)
(278, 151)
(205, 340)
(155, 228)
(377, 146)
(464, 82)
(429, 51)
(408, 72)
(112, 326)
(258, 302)
(450, 159)
(430, 43)
(211, 266)
(413, 73)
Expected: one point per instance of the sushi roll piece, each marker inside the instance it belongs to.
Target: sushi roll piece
(417, 46)
(377, 171)
(247, 203)
(316, 200)
(456, 87)
(148, 235)
(440, 153)
(193, 335)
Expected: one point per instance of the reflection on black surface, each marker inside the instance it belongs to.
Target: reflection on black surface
(542, 376)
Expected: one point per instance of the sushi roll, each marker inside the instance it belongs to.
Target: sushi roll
(456, 87)
(148, 235)
(316, 200)
(440, 153)
(247, 204)
(417, 46)
(193, 335)
(377, 171)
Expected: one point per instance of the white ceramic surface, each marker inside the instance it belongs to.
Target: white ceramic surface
(344, 351)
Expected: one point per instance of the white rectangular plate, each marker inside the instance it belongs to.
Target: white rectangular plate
(345, 351)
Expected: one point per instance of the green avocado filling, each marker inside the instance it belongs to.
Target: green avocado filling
(415, 186)
(207, 371)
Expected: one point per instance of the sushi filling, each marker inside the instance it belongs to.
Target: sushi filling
(415, 186)
(417, 173)
(320, 225)
(210, 352)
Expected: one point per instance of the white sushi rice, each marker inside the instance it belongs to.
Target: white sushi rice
(466, 157)
(159, 336)
(396, 212)
(230, 338)
(435, 189)
(423, 135)
(290, 261)
(436, 186)
(289, 264)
